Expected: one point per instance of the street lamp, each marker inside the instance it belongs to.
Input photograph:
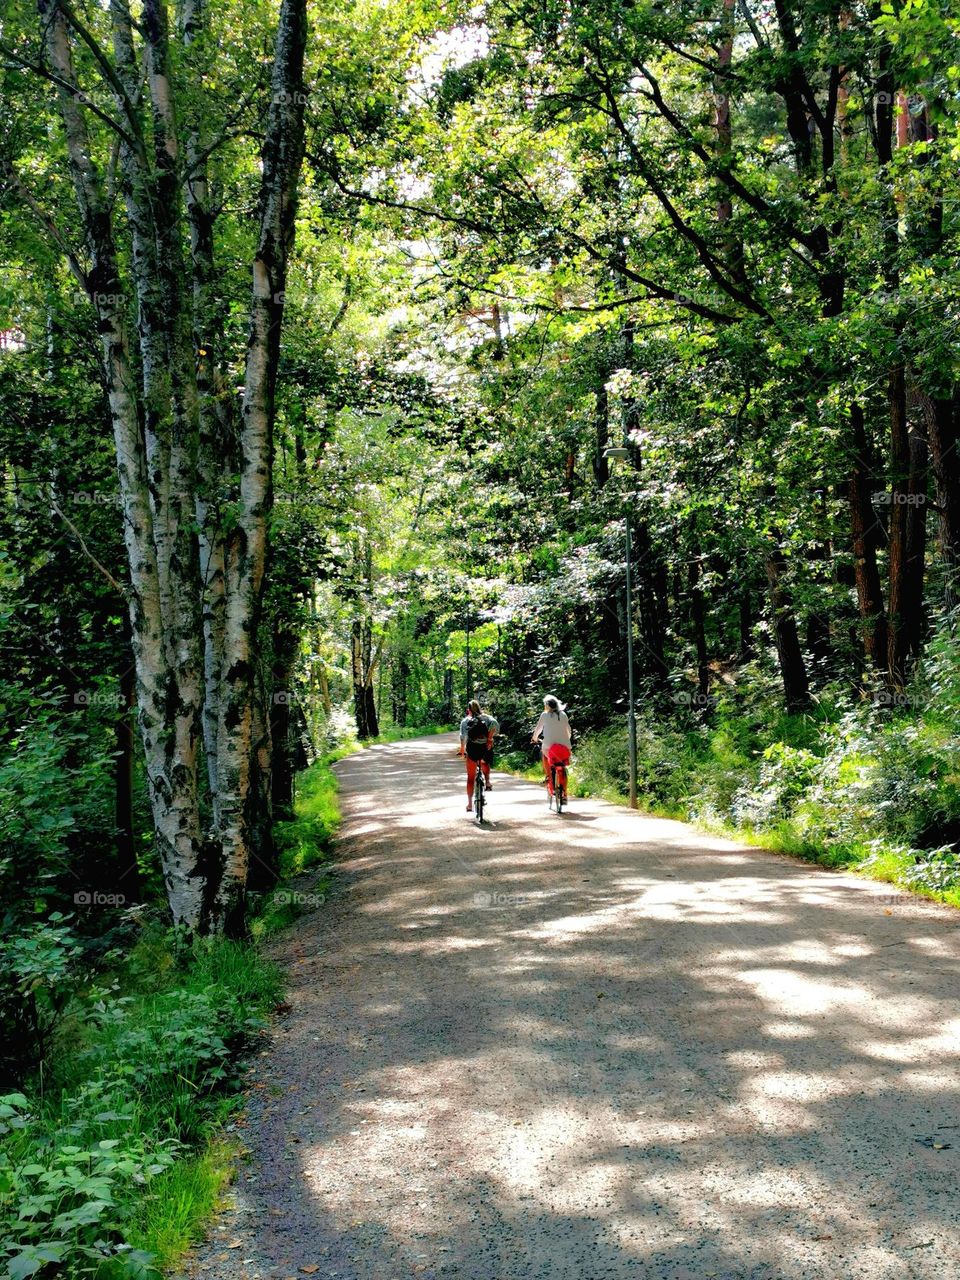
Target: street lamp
(615, 453)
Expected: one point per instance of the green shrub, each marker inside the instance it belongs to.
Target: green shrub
(871, 784)
(786, 773)
(38, 974)
(65, 1207)
(306, 839)
(936, 871)
(151, 1064)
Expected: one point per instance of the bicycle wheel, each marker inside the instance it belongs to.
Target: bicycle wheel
(478, 794)
(552, 789)
(560, 789)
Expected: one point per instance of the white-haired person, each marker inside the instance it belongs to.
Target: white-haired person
(553, 730)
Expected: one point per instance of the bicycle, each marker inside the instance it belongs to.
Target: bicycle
(479, 791)
(557, 792)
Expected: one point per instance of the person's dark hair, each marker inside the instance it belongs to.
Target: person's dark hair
(552, 704)
(474, 707)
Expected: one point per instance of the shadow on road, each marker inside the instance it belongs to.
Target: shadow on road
(604, 1046)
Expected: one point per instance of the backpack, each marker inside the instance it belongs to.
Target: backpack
(477, 730)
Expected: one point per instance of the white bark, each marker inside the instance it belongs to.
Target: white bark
(167, 701)
(246, 549)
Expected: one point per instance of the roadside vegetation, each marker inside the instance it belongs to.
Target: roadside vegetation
(127, 1045)
(539, 289)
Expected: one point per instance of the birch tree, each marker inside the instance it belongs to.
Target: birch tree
(194, 602)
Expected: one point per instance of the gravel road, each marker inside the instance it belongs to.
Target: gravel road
(596, 1046)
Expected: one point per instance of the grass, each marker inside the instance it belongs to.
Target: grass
(145, 1074)
(397, 734)
(171, 1220)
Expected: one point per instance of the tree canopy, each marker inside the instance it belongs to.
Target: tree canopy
(318, 329)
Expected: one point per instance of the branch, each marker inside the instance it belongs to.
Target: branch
(700, 246)
(86, 550)
(226, 133)
(109, 71)
(724, 174)
(328, 166)
(46, 222)
(76, 94)
(551, 308)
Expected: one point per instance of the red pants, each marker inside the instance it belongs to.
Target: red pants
(472, 774)
(558, 755)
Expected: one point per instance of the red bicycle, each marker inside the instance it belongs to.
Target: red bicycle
(558, 757)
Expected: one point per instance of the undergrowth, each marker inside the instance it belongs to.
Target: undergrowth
(115, 1155)
(873, 786)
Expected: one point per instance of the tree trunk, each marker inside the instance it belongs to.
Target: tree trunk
(864, 533)
(264, 869)
(128, 875)
(161, 611)
(793, 671)
(245, 554)
(217, 453)
(943, 436)
(908, 497)
(363, 667)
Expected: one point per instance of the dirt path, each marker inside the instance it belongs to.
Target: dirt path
(597, 1046)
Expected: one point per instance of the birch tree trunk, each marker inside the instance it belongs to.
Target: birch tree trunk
(245, 550)
(167, 411)
(167, 689)
(216, 455)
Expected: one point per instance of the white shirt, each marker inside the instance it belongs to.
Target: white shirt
(555, 728)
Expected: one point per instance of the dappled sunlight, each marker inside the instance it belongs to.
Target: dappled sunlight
(789, 1030)
(634, 1051)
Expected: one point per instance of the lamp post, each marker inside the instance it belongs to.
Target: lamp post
(614, 453)
(469, 673)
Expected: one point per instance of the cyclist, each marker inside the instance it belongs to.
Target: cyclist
(477, 730)
(553, 728)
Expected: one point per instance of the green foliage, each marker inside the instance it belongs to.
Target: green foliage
(65, 1208)
(53, 787)
(867, 786)
(166, 1223)
(94, 1176)
(38, 975)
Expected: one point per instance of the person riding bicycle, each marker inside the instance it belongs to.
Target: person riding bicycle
(553, 728)
(477, 731)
